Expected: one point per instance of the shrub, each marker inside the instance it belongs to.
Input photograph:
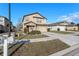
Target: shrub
(48, 29)
(34, 32)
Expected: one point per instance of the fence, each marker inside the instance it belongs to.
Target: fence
(10, 48)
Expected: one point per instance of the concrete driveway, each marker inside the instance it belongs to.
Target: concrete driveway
(70, 39)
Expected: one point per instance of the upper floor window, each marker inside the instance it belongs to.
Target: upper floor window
(26, 18)
(38, 20)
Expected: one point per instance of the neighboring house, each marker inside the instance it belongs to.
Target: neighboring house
(4, 24)
(63, 26)
(1, 28)
(34, 21)
(14, 29)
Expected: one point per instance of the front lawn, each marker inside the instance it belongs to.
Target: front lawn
(43, 48)
(62, 32)
(32, 36)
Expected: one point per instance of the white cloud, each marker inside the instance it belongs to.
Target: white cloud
(71, 17)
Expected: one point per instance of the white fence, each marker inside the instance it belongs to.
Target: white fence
(4, 41)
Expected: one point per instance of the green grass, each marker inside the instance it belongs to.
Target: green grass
(43, 48)
(62, 32)
(31, 36)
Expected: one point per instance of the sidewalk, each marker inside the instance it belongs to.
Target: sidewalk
(72, 51)
(40, 39)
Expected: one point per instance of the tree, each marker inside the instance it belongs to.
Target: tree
(19, 24)
(72, 23)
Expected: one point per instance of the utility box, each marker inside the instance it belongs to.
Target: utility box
(11, 39)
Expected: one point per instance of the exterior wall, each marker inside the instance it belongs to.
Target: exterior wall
(5, 23)
(1, 21)
(34, 19)
(1, 29)
(55, 28)
(42, 28)
(31, 27)
(63, 28)
(72, 28)
(31, 18)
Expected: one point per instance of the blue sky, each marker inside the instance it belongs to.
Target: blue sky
(54, 12)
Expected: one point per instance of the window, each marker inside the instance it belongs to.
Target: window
(38, 20)
(26, 18)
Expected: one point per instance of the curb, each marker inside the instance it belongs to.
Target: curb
(65, 51)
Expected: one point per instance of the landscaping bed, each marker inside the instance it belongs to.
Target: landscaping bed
(32, 36)
(43, 48)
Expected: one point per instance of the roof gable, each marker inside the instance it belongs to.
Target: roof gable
(34, 16)
(30, 22)
(5, 18)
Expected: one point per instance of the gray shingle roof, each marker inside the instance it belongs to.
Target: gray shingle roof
(68, 23)
(33, 14)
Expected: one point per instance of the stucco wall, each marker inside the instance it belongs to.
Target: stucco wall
(42, 28)
(31, 18)
(72, 28)
(63, 28)
(55, 28)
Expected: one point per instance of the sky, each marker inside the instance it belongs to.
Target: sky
(54, 12)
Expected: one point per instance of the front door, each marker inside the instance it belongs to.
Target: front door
(31, 28)
(26, 29)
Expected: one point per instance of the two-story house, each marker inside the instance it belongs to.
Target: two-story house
(34, 21)
(4, 24)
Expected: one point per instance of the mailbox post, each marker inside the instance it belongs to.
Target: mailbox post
(5, 47)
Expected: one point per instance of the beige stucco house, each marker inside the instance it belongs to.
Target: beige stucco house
(63, 26)
(34, 21)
